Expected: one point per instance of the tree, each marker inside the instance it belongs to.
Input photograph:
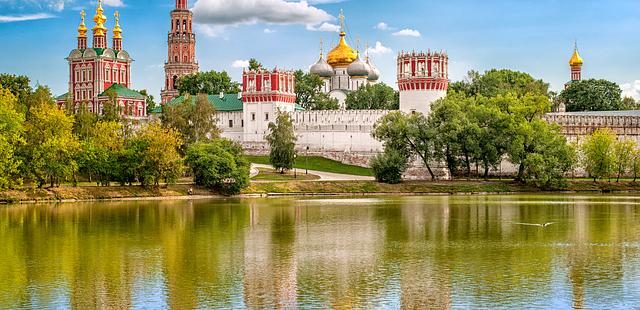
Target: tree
(219, 165)
(254, 65)
(373, 97)
(309, 92)
(388, 167)
(500, 82)
(410, 135)
(101, 151)
(210, 83)
(18, 85)
(624, 153)
(50, 149)
(194, 119)
(629, 103)
(84, 121)
(597, 151)
(11, 136)
(592, 95)
(635, 163)
(282, 140)
(157, 150)
(151, 103)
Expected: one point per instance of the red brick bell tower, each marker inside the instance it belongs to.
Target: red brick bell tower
(182, 50)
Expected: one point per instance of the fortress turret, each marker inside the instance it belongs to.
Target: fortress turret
(423, 78)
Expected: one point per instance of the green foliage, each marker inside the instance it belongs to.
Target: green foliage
(18, 85)
(219, 165)
(195, 122)
(282, 140)
(211, 83)
(373, 97)
(319, 164)
(598, 156)
(309, 93)
(254, 65)
(151, 103)
(156, 148)
(101, 152)
(50, 149)
(500, 82)
(410, 135)
(624, 152)
(592, 95)
(11, 136)
(389, 166)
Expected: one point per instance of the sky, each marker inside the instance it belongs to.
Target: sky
(534, 36)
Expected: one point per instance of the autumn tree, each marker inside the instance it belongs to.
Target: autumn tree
(156, 148)
(11, 136)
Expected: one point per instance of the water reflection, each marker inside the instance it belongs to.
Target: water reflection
(411, 253)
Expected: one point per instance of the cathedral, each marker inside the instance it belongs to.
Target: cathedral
(343, 71)
(99, 74)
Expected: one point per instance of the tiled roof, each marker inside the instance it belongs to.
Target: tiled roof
(122, 91)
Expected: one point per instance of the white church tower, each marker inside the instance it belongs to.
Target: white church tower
(423, 78)
(265, 93)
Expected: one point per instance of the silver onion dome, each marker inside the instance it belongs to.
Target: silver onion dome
(322, 68)
(358, 68)
(374, 73)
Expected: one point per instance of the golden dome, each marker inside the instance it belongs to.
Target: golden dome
(342, 55)
(82, 29)
(117, 31)
(99, 19)
(576, 60)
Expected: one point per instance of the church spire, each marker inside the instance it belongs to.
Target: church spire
(99, 30)
(82, 32)
(117, 33)
(181, 4)
(576, 63)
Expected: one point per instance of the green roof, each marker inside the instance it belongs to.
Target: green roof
(63, 97)
(99, 51)
(228, 103)
(122, 91)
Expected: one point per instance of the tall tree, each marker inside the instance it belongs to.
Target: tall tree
(623, 153)
(157, 150)
(373, 97)
(282, 140)
(592, 95)
(597, 152)
(195, 119)
(11, 136)
(500, 82)
(101, 151)
(219, 165)
(309, 92)
(210, 83)
(254, 65)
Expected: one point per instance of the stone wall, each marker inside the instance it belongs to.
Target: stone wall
(576, 126)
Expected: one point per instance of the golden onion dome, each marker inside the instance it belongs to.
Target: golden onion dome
(82, 29)
(117, 31)
(576, 60)
(342, 55)
(99, 19)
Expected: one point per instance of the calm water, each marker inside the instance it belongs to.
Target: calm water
(413, 253)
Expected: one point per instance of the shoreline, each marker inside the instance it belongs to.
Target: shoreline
(305, 189)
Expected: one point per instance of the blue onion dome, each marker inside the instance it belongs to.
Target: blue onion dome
(358, 68)
(322, 68)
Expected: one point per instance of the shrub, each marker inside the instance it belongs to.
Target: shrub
(389, 166)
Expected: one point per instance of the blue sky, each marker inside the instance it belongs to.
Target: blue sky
(535, 36)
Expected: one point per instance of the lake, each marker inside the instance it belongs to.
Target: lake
(439, 252)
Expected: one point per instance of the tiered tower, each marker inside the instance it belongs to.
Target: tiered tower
(423, 78)
(264, 94)
(576, 65)
(181, 50)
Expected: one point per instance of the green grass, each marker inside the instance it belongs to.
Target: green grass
(319, 164)
(271, 175)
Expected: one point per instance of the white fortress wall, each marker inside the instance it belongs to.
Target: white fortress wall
(231, 125)
(420, 100)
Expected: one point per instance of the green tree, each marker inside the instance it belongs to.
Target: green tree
(597, 152)
(635, 163)
(254, 65)
(219, 165)
(410, 135)
(194, 119)
(309, 92)
(500, 82)
(84, 121)
(18, 85)
(373, 97)
(592, 95)
(101, 151)
(629, 103)
(282, 141)
(388, 167)
(624, 153)
(157, 147)
(150, 101)
(210, 83)
(11, 136)
(51, 148)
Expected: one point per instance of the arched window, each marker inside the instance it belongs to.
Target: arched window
(176, 58)
(175, 82)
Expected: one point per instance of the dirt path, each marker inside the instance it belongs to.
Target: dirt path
(324, 176)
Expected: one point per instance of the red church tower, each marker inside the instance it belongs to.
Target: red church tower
(181, 50)
(99, 74)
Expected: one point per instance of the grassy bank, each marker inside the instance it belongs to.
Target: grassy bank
(319, 164)
(297, 187)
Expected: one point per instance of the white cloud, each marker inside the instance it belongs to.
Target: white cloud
(240, 64)
(210, 30)
(407, 33)
(26, 17)
(327, 27)
(631, 89)
(268, 31)
(379, 49)
(114, 3)
(325, 1)
(382, 26)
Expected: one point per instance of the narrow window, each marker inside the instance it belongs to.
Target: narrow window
(266, 116)
(230, 123)
(253, 117)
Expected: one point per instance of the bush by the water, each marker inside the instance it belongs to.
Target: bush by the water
(219, 165)
(389, 166)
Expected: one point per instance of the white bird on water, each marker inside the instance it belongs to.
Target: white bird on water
(537, 225)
